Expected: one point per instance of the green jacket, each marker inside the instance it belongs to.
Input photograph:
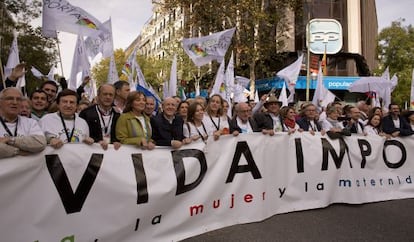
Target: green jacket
(129, 129)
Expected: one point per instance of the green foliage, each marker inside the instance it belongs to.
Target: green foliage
(396, 50)
(34, 49)
(261, 27)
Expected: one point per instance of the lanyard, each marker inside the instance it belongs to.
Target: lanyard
(199, 133)
(64, 127)
(104, 127)
(215, 125)
(7, 128)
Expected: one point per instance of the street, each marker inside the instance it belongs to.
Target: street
(382, 221)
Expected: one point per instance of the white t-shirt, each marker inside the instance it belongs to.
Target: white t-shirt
(25, 126)
(194, 131)
(213, 124)
(52, 126)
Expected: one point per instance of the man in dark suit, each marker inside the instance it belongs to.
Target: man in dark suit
(102, 117)
(309, 121)
(394, 124)
(167, 126)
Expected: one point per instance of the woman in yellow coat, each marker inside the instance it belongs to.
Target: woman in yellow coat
(133, 126)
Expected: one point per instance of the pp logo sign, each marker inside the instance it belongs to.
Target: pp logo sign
(324, 34)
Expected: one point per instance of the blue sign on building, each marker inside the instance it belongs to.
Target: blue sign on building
(330, 82)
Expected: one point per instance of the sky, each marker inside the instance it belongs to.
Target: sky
(128, 17)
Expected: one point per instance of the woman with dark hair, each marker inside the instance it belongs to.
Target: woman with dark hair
(216, 124)
(195, 128)
(133, 126)
(182, 110)
(373, 126)
(289, 120)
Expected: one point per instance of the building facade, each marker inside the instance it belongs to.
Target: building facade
(357, 17)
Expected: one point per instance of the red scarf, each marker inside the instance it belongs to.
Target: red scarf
(290, 123)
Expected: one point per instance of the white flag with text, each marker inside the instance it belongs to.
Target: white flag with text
(208, 48)
(63, 16)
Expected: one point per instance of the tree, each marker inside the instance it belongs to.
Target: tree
(150, 68)
(396, 50)
(34, 49)
(261, 27)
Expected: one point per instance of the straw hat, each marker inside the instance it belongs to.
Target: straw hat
(272, 99)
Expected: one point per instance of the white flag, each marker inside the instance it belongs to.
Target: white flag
(208, 48)
(165, 90)
(197, 88)
(80, 64)
(394, 82)
(104, 45)
(61, 15)
(141, 77)
(172, 86)
(386, 74)
(256, 96)
(322, 96)
(51, 74)
(129, 69)
(290, 75)
(219, 86)
(36, 73)
(229, 83)
(283, 96)
(412, 92)
(12, 61)
(112, 73)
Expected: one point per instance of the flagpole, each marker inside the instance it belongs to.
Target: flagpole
(60, 56)
(307, 63)
(3, 78)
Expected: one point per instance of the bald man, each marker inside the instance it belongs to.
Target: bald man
(102, 117)
(167, 127)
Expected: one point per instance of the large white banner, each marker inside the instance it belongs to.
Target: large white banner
(82, 193)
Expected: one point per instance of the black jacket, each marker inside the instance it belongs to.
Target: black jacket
(304, 124)
(91, 116)
(233, 125)
(163, 132)
(388, 126)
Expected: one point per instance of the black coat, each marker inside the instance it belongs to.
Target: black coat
(234, 127)
(388, 126)
(163, 132)
(304, 124)
(90, 114)
(264, 121)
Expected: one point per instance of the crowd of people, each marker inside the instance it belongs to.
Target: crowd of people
(120, 116)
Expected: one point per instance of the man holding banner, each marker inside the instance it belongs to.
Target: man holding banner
(18, 135)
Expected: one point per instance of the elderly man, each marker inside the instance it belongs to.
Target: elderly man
(18, 135)
(65, 126)
(354, 124)
(102, 117)
(242, 122)
(309, 122)
(150, 104)
(270, 119)
(167, 127)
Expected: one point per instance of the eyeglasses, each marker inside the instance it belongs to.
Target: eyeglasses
(9, 99)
